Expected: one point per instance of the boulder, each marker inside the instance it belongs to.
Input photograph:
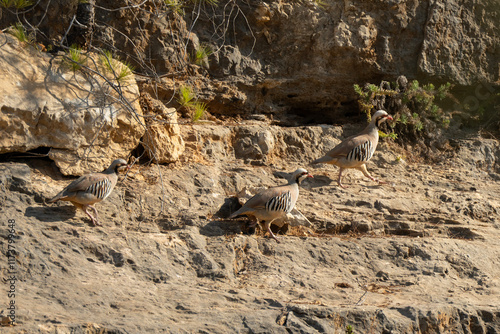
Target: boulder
(162, 140)
(461, 42)
(254, 142)
(86, 121)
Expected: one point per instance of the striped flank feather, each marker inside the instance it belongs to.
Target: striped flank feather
(100, 189)
(281, 203)
(361, 152)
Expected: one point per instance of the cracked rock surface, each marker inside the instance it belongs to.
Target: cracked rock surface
(417, 255)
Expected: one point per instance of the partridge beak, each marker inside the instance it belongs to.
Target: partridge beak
(389, 117)
(310, 175)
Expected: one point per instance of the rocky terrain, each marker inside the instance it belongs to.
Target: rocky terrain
(418, 254)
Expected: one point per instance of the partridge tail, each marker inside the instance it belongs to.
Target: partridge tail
(324, 159)
(55, 198)
(237, 213)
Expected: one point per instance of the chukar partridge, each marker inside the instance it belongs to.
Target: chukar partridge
(357, 150)
(273, 203)
(92, 188)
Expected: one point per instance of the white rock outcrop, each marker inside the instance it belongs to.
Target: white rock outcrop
(162, 141)
(85, 120)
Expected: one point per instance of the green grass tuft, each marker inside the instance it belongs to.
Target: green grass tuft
(176, 6)
(202, 53)
(120, 69)
(20, 33)
(106, 59)
(126, 69)
(18, 4)
(187, 100)
(186, 96)
(199, 111)
(76, 58)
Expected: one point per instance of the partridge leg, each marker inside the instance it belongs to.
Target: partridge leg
(96, 215)
(251, 225)
(94, 220)
(339, 181)
(267, 225)
(363, 169)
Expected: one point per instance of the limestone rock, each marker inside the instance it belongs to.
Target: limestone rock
(53, 18)
(254, 142)
(163, 141)
(44, 104)
(461, 42)
(315, 55)
(212, 142)
(392, 257)
(232, 62)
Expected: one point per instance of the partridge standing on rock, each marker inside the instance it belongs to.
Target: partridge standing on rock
(275, 202)
(92, 188)
(355, 151)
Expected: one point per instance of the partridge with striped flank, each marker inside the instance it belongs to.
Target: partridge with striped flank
(275, 202)
(92, 188)
(357, 150)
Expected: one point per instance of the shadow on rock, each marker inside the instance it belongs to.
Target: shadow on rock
(51, 214)
(230, 205)
(218, 227)
(318, 181)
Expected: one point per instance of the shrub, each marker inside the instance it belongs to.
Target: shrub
(411, 104)
(176, 6)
